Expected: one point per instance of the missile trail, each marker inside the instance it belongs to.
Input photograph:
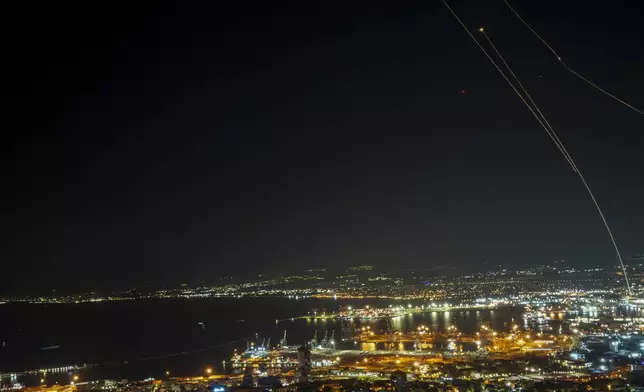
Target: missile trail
(539, 119)
(568, 156)
(551, 132)
(566, 65)
(536, 112)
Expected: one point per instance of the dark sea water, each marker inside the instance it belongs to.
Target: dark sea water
(139, 339)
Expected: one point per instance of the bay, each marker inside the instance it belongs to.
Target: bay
(146, 338)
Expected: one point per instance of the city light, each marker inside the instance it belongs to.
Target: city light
(562, 335)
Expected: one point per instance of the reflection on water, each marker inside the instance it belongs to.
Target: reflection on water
(466, 321)
(409, 346)
(367, 346)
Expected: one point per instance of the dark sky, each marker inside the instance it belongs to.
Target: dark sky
(169, 141)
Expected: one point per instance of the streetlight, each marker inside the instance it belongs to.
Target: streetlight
(75, 377)
(209, 371)
(167, 372)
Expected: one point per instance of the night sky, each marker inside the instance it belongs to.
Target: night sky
(162, 142)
